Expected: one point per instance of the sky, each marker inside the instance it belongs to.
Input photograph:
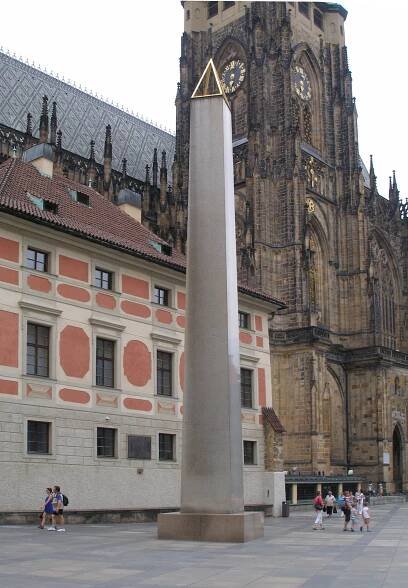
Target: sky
(128, 51)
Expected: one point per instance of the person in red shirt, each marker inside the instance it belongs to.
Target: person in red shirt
(318, 507)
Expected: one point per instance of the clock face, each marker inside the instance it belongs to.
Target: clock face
(301, 83)
(233, 75)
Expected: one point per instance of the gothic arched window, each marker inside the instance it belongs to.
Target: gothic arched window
(307, 125)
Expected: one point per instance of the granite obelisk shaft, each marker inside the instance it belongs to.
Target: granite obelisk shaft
(212, 479)
(212, 503)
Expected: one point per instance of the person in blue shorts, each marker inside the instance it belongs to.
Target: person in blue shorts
(48, 509)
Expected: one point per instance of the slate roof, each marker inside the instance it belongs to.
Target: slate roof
(81, 117)
(101, 221)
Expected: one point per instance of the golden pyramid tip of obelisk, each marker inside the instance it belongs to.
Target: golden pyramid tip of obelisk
(209, 84)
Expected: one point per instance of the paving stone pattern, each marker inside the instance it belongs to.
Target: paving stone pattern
(289, 556)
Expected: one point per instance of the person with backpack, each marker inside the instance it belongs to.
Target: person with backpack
(318, 507)
(59, 510)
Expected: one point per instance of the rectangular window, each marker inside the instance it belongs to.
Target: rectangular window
(212, 9)
(164, 373)
(249, 452)
(161, 296)
(103, 279)
(227, 5)
(318, 18)
(243, 318)
(37, 260)
(246, 388)
(38, 437)
(105, 362)
(105, 442)
(38, 345)
(304, 8)
(167, 444)
(139, 447)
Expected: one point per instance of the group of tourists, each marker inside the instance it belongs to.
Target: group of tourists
(352, 508)
(52, 510)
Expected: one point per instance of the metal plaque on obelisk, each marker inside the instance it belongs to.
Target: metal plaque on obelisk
(212, 504)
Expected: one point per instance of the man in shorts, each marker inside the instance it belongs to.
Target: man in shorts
(59, 509)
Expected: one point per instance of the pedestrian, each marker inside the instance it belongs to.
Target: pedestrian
(318, 507)
(329, 502)
(340, 503)
(46, 509)
(353, 516)
(59, 509)
(347, 509)
(359, 496)
(365, 518)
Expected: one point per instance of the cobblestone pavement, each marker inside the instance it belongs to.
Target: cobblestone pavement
(290, 555)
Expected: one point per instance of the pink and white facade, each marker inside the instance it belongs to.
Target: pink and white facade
(77, 313)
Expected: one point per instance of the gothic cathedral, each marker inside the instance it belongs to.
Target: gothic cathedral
(312, 230)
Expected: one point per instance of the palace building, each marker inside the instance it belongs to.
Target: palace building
(92, 317)
(92, 275)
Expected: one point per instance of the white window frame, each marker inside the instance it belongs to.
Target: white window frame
(44, 247)
(103, 425)
(256, 453)
(175, 459)
(112, 332)
(52, 439)
(47, 317)
(109, 267)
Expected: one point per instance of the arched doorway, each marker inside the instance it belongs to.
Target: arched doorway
(397, 459)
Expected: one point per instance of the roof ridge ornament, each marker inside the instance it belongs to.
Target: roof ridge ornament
(209, 84)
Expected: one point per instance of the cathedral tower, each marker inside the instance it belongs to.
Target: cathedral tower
(308, 225)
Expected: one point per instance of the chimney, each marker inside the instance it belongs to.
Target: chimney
(41, 156)
(131, 203)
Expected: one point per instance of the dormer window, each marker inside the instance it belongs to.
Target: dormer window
(79, 197)
(43, 204)
(161, 247)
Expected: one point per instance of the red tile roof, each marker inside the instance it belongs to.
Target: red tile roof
(272, 418)
(102, 221)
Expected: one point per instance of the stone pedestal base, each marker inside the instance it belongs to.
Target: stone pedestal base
(225, 528)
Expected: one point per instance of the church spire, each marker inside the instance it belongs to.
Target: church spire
(373, 177)
(393, 190)
(28, 139)
(107, 162)
(146, 198)
(91, 165)
(53, 135)
(124, 178)
(155, 168)
(44, 121)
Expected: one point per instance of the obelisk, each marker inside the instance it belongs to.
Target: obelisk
(212, 504)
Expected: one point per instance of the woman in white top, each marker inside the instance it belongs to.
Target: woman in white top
(329, 502)
(365, 515)
(359, 496)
